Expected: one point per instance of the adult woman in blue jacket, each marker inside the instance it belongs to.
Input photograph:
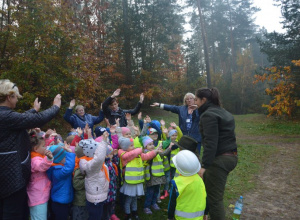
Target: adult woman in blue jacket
(188, 118)
(80, 118)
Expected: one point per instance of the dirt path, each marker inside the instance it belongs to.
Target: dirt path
(277, 195)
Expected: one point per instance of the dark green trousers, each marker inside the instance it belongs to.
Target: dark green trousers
(215, 178)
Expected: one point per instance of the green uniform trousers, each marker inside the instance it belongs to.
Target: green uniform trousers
(215, 177)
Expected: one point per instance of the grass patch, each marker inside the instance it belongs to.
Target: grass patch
(257, 124)
(242, 178)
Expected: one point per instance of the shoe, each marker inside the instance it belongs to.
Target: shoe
(165, 195)
(147, 211)
(158, 200)
(155, 207)
(114, 217)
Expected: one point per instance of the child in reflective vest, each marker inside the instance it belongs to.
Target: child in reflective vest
(131, 162)
(188, 194)
(154, 174)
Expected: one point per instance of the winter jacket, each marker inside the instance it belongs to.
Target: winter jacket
(61, 178)
(120, 113)
(79, 188)
(15, 146)
(182, 112)
(112, 166)
(76, 121)
(38, 188)
(217, 129)
(96, 184)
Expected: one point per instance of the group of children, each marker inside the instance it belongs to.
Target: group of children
(81, 176)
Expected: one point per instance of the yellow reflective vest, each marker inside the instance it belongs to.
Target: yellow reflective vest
(173, 153)
(191, 201)
(134, 171)
(157, 168)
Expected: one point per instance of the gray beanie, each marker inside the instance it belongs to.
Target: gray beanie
(89, 147)
(125, 143)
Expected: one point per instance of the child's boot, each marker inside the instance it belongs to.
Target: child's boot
(166, 194)
(114, 217)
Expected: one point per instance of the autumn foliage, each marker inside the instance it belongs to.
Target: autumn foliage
(282, 90)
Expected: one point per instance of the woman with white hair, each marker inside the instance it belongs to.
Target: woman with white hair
(188, 118)
(80, 118)
(15, 148)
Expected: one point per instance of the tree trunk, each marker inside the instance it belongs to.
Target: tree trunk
(127, 47)
(205, 46)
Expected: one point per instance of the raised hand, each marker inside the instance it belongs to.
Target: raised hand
(72, 103)
(140, 116)
(171, 145)
(173, 125)
(57, 100)
(163, 123)
(155, 104)
(79, 131)
(66, 147)
(142, 97)
(116, 93)
(86, 128)
(37, 104)
(89, 132)
(49, 154)
(113, 129)
(105, 136)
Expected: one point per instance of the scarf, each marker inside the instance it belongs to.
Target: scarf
(35, 154)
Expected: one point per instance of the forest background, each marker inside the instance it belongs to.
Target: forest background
(85, 49)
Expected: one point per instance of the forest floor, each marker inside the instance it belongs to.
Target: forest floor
(276, 194)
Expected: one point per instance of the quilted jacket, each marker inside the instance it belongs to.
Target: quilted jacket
(15, 146)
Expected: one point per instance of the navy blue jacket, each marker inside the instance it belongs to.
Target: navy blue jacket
(61, 179)
(120, 113)
(75, 121)
(182, 112)
(15, 147)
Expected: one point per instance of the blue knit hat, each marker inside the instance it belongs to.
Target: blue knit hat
(173, 131)
(146, 140)
(58, 153)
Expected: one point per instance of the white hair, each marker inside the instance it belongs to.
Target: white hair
(8, 88)
(186, 95)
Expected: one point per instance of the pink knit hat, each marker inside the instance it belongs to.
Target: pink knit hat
(125, 130)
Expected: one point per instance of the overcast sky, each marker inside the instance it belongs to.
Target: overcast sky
(269, 16)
